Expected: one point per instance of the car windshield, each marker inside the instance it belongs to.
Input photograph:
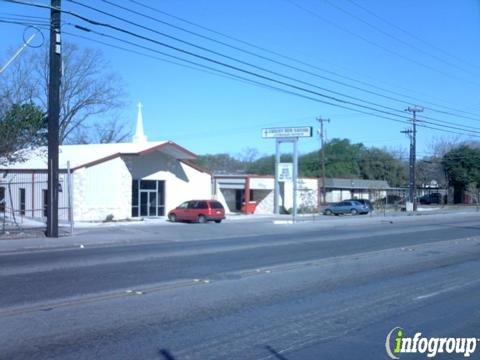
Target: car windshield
(183, 205)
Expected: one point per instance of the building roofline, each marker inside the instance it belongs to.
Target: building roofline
(196, 167)
(142, 152)
(243, 176)
(171, 143)
(97, 161)
(21, 170)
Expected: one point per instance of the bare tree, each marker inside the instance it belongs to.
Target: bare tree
(439, 146)
(110, 132)
(248, 155)
(89, 92)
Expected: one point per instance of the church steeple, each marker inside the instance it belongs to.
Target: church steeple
(139, 136)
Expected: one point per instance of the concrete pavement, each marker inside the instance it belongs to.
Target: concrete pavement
(188, 291)
(158, 230)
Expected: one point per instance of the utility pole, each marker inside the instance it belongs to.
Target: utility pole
(412, 189)
(53, 118)
(322, 154)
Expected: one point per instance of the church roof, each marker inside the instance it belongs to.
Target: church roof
(91, 154)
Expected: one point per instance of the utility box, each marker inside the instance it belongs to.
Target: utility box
(249, 208)
(409, 206)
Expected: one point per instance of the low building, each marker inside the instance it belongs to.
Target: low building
(342, 189)
(118, 181)
(235, 191)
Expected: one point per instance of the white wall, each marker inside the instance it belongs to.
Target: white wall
(182, 182)
(106, 188)
(102, 190)
(263, 194)
(307, 193)
(262, 183)
(265, 201)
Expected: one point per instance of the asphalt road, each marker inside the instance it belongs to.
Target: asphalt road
(188, 291)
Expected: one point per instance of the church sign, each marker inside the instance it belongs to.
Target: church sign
(287, 132)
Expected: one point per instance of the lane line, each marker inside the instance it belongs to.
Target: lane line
(448, 289)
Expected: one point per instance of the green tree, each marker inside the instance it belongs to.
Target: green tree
(341, 160)
(309, 165)
(344, 159)
(378, 164)
(266, 164)
(21, 126)
(462, 166)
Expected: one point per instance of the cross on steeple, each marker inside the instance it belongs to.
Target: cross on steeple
(139, 136)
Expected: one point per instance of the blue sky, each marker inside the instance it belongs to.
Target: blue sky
(426, 50)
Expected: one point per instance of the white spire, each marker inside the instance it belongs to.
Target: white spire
(139, 136)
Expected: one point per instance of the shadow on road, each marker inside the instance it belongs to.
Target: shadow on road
(275, 353)
(166, 355)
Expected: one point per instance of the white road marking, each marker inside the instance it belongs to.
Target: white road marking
(451, 288)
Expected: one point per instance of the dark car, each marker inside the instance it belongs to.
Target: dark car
(199, 211)
(433, 198)
(365, 202)
(352, 207)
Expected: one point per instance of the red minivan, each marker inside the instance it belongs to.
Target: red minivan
(199, 211)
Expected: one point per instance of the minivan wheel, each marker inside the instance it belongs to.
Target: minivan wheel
(353, 212)
(172, 217)
(328, 212)
(202, 219)
(218, 221)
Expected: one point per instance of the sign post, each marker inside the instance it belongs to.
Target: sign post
(286, 135)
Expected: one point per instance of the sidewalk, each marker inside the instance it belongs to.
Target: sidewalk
(131, 232)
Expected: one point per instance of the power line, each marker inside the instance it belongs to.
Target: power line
(387, 34)
(26, 16)
(292, 59)
(420, 118)
(22, 22)
(187, 64)
(237, 60)
(273, 87)
(412, 35)
(373, 43)
(243, 78)
(243, 50)
(232, 67)
(212, 69)
(457, 111)
(200, 67)
(448, 126)
(248, 72)
(263, 69)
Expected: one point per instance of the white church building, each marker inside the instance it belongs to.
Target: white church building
(120, 180)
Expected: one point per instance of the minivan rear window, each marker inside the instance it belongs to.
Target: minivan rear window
(216, 205)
